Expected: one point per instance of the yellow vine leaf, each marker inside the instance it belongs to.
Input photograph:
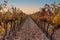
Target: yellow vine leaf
(1, 29)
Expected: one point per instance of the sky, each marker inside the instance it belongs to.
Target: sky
(29, 6)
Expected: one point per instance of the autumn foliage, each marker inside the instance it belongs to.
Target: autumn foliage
(49, 15)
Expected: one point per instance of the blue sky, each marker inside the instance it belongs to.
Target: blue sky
(29, 5)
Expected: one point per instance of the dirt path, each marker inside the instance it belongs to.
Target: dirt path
(30, 31)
